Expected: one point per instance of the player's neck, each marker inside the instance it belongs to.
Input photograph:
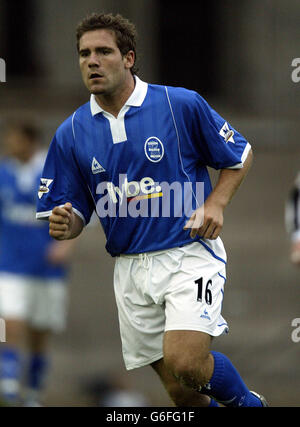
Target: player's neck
(113, 102)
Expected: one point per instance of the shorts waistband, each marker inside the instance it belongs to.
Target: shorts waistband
(153, 253)
(148, 254)
(145, 258)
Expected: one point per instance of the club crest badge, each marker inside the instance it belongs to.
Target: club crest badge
(154, 149)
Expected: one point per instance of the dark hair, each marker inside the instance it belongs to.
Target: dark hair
(124, 30)
(30, 131)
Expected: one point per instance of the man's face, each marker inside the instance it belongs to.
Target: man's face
(102, 66)
(19, 146)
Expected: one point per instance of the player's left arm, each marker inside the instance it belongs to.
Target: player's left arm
(208, 222)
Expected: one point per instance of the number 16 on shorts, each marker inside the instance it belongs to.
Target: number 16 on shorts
(209, 292)
(204, 291)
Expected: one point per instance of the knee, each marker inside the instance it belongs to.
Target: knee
(189, 370)
(186, 397)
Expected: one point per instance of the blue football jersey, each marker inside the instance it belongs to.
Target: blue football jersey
(143, 172)
(24, 241)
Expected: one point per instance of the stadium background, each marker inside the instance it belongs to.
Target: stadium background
(238, 55)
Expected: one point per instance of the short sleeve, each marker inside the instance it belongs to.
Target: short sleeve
(62, 180)
(221, 146)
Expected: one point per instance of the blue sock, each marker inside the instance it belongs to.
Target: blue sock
(226, 385)
(37, 370)
(10, 373)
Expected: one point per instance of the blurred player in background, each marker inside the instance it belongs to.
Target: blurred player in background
(292, 220)
(117, 153)
(33, 268)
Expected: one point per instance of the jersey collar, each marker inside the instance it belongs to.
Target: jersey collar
(135, 100)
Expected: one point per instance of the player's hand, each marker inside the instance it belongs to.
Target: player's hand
(206, 221)
(61, 222)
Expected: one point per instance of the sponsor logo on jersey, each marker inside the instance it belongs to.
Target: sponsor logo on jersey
(96, 167)
(134, 190)
(44, 187)
(227, 133)
(148, 198)
(154, 149)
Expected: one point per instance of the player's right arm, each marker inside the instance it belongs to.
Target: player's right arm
(61, 181)
(64, 224)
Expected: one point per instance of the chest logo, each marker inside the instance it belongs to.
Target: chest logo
(154, 149)
(96, 167)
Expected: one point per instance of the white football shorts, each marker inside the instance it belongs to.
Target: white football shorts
(41, 303)
(177, 289)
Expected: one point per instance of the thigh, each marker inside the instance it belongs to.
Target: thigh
(187, 355)
(187, 351)
(186, 344)
(15, 333)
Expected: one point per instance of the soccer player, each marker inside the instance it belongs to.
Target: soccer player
(137, 153)
(33, 268)
(292, 220)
